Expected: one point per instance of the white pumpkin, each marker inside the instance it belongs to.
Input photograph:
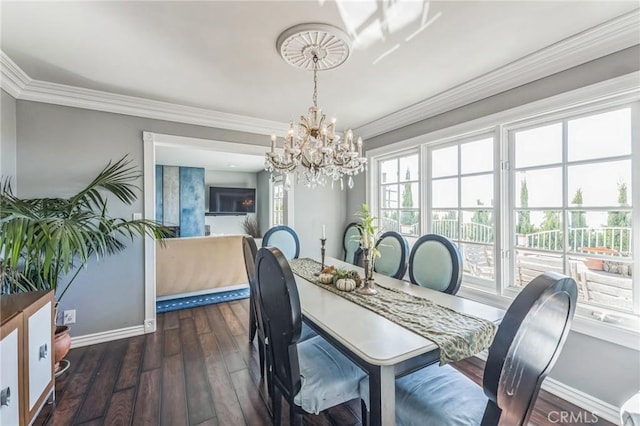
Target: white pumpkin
(345, 284)
(325, 278)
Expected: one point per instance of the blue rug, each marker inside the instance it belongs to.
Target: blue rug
(201, 300)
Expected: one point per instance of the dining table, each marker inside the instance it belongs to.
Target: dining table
(383, 348)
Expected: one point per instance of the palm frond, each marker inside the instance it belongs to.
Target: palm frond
(42, 239)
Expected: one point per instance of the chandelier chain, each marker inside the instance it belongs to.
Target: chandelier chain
(315, 80)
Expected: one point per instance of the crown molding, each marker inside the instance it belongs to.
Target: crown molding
(609, 37)
(19, 85)
(12, 79)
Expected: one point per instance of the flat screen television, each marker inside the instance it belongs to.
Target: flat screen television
(232, 200)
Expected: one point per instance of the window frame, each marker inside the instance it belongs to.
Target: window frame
(610, 94)
(272, 213)
(564, 118)
(377, 205)
(479, 283)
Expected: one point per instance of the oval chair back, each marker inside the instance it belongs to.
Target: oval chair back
(282, 315)
(526, 347)
(284, 238)
(256, 325)
(351, 242)
(435, 263)
(394, 251)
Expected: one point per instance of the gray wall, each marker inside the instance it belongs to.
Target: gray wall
(8, 137)
(607, 67)
(311, 209)
(59, 150)
(605, 370)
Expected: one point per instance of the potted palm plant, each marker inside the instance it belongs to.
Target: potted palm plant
(46, 242)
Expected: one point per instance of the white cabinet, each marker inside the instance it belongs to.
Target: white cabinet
(39, 352)
(10, 386)
(26, 358)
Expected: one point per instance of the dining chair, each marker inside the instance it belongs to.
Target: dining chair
(351, 242)
(256, 327)
(256, 324)
(311, 375)
(435, 262)
(285, 238)
(525, 348)
(394, 250)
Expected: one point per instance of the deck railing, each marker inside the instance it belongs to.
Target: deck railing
(470, 231)
(616, 240)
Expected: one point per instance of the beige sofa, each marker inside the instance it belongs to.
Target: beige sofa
(196, 264)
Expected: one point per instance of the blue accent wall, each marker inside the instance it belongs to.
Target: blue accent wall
(191, 201)
(159, 193)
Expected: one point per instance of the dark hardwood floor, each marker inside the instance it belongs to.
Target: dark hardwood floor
(197, 369)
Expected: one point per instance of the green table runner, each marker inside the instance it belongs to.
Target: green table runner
(458, 336)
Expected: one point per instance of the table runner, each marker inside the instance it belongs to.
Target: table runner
(458, 336)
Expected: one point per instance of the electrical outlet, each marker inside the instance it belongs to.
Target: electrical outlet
(69, 317)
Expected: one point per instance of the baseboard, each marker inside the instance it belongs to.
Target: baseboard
(200, 292)
(591, 404)
(106, 336)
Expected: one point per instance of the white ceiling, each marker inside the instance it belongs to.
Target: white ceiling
(221, 55)
(208, 159)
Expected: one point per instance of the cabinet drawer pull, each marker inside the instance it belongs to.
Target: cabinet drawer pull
(5, 396)
(44, 351)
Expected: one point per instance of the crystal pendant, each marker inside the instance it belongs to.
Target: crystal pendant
(287, 182)
(350, 182)
(341, 184)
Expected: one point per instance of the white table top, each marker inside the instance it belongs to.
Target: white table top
(370, 336)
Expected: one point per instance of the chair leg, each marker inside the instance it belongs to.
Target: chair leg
(261, 351)
(276, 406)
(270, 385)
(295, 417)
(253, 323)
(364, 413)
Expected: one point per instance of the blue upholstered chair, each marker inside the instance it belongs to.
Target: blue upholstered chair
(285, 239)
(526, 347)
(394, 251)
(312, 375)
(435, 263)
(351, 242)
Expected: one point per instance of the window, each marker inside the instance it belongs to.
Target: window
(572, 204)
(399, 206)
(462, 206)
(277, 203)
(527, 191)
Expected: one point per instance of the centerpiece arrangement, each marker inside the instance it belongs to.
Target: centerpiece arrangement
(350, 280)
(343, 280)
(370, 252)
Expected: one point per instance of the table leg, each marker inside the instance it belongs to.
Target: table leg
(382, 397)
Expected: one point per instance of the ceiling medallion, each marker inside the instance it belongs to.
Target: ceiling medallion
(312, 148)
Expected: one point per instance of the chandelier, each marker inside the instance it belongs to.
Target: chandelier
(312, 148)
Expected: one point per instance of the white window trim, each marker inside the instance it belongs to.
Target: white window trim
(375, 163)
(609, 93)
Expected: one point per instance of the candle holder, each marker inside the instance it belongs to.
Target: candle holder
(369, 285)
(322, 252)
